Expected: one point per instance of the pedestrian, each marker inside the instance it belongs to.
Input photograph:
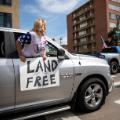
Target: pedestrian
(32, 44)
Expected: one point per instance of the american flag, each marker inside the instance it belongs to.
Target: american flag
(25, 38)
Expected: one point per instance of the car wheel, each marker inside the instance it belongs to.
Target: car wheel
(114, 67)
(91, 95)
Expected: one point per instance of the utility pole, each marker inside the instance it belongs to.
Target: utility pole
(60, 40)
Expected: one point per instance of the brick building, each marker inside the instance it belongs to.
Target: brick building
(89, 22)
(9, 13)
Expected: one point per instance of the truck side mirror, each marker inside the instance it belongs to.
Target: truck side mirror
(61, 54)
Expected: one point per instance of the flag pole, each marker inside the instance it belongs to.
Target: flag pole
(104, 45)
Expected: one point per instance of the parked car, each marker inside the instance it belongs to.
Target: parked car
(62, 82)
(112, 55)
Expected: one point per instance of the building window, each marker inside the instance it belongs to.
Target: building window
(83, 25)
(75, 35)
(82, 18)
(75, 28)
(82, 40)
(91, 5)
(113, 7)
(6, 2)
(113, 16)
(116, 1)
(75, 42)
(92, 30)
(74, 15)
(6, 20)
(1, 20)
(82, 33)
(74, 22)
(84, 47)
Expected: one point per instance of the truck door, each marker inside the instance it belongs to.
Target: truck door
(46, 95)
(7, 81)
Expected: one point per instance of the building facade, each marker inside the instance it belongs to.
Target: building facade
(88, 23)
(9, 13)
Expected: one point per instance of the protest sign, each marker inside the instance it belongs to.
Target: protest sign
(36, 74)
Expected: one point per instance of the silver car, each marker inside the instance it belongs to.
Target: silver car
(112, 55)
(84, 82)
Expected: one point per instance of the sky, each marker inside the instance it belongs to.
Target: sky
(53, 11)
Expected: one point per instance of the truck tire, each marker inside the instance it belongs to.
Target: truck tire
(91, 95)
(114, 67)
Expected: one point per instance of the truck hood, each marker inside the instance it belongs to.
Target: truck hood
(89, 59)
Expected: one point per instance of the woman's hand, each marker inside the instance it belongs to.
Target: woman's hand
(44, 54)
(44, 57)
(22, 58)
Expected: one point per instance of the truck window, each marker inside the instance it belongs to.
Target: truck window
(13, 37)
(51, 51)
(2, 45)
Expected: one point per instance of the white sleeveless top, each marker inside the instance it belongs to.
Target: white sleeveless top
(36, 45)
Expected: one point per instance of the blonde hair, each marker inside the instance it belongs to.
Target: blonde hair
(38, 24)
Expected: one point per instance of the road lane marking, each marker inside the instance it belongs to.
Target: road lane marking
(71, 118)
(117, 102)
(113, 76)
(116, 84)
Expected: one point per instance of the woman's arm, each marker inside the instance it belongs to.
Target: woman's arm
(19, 50)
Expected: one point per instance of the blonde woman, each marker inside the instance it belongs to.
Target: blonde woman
(33, 42)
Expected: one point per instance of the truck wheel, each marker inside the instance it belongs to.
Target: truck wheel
(114, 67)
(91, 95)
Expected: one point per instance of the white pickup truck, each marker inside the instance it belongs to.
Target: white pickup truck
(63, 81)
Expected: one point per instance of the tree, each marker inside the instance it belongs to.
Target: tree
(114, 34)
